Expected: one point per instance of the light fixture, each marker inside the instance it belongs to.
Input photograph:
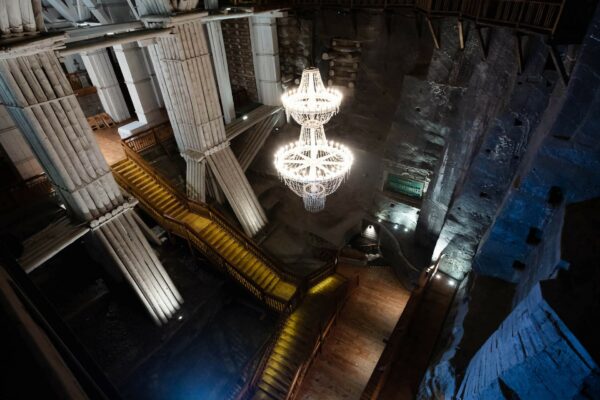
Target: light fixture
(313, 167)
(245, 117)
(311, 103)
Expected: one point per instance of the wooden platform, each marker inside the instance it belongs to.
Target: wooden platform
(352, 350)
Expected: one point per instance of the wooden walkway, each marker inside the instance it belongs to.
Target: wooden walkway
(352, 350)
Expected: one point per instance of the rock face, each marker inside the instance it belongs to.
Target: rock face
(527, 358)
(540, 155)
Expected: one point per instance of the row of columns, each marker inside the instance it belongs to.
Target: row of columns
(142, 85)
(40, 100)
(183, 65)
(265, 51)
(140, 78)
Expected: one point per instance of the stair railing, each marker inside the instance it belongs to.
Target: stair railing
(215, 216)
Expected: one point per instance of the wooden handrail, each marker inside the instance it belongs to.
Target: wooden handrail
(215, 216)
(382, 369)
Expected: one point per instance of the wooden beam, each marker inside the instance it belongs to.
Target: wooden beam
(436, 41)
(482, 43)
(112, 40)
(519, 50)
(461, 35)
(558, 64)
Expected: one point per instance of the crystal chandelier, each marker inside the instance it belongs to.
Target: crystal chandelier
(313, 167)
(311, 103)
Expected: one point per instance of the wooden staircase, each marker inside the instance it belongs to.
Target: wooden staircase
(298, 340)
(228, 248)
(309, 305)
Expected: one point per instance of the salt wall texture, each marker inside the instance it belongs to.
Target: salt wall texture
(532, 355)
(461, 125)
(521, 248)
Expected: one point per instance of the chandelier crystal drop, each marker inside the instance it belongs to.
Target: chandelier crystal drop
(313, 167)
(311, 103)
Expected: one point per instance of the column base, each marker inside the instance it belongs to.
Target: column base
(122, 239)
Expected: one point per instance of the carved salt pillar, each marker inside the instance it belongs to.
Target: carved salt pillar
(217, 46)
(16, 147)
(98, 65)
(39, 97)
(183, 64)
(265, 49)
(146, 100)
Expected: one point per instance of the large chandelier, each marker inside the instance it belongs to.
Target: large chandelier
(313, 167)
(311, 103)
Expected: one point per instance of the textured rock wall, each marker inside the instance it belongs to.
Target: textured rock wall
(561, 165)
(479, 192)
(465, 95)
(533, 355)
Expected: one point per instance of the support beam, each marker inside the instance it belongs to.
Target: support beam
(98, 65)
(254, 140)
(519, 51)
(67, 11)
(461, 34)
(436, 41)
(97, 11)
(482, 43)
(558, 64)
(217, 46)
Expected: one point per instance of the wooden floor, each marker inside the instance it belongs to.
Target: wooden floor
(110, 144)
(352, 350)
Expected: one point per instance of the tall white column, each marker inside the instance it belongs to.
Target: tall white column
(217, 46)
(98, 65)
(39, 97)
(146, 100)
(16, 147)
(186, 76)
(265, 48)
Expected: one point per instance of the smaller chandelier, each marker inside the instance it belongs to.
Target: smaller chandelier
(311, 103)
(313, 167)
